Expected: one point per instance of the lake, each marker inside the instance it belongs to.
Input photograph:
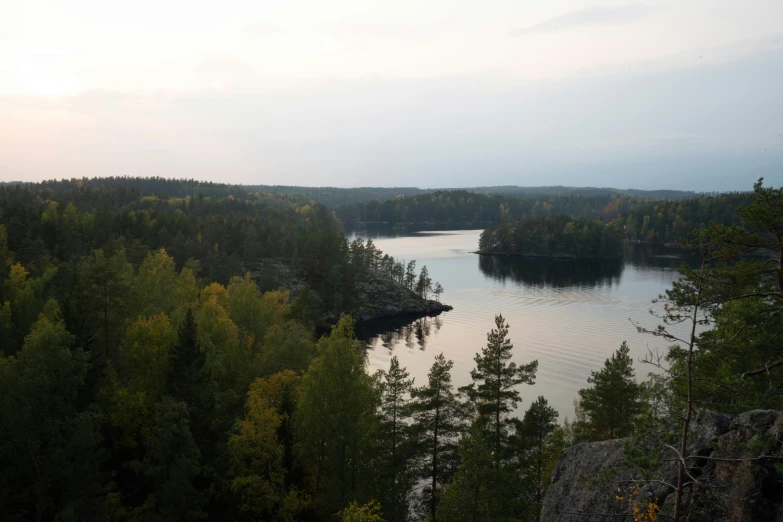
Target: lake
(570, 315)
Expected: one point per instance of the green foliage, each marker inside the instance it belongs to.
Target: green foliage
(612, 403)
(655, 216)
(164, 389)
(738, 360)
(559, 236)
(424, 283)
(336, 418)
(437, 423)
(144, 375)
(170, 465)
(258, 453)
(395, 451)
(495, 378)
(536, 444)
(370, 512)
(478, 490)
(49, 450)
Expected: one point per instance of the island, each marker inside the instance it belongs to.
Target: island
(553, 237)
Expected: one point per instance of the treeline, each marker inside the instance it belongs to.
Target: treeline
(559, 236)
(656, 220)
(559, 190)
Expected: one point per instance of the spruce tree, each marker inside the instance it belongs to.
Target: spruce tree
(535, 445)
(187, 359)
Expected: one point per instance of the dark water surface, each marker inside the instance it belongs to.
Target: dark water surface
(570, 315)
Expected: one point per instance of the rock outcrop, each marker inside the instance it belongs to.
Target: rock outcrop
(377, 296)
(733, 462)
(380, 298)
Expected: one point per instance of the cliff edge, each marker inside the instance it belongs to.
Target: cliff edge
(732, 459)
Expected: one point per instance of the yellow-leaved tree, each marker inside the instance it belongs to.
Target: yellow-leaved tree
(257, 451)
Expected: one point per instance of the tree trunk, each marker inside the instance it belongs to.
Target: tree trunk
(435, 463)
(687, 421)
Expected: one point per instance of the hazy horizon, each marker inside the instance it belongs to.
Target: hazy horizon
(649, 95)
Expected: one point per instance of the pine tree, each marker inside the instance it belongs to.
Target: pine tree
(494, 381)
(424, 284)
(394, 442)
(438, 290)
(410, 274)
(437, 423)
(613, 400)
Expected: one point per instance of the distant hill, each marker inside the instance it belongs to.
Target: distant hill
(337, 197)
(559, 190)
(334, 197)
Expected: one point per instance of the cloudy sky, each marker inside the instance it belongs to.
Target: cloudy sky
(435, 93)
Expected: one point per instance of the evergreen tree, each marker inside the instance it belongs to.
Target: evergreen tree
(170, 465)
(424, 283)
(410, 274)
(437, 424)
(185, 380)
(535, 445)
(476, 493)
(612, 402)
(394, 445)
(494, 381)
(109, 284)
(438, 290)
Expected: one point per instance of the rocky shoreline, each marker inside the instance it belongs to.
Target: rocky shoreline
(379, 297)
(382, 298)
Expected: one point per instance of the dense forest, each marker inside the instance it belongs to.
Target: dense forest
(638, 218)
(513, 190)
(328, 196)
(333, 197)
(559, 236)
(145, 375)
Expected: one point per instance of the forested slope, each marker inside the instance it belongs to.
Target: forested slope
(638, 218)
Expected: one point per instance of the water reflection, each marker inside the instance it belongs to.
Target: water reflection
(570, 315)
(557, 273)
(399, 331)
(657, 256)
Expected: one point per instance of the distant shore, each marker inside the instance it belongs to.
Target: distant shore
(564, 257)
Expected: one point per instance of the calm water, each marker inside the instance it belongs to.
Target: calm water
(569, 315)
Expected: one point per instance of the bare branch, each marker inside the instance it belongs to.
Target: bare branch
(767, 367)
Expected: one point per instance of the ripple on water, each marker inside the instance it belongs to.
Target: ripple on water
(569, 328)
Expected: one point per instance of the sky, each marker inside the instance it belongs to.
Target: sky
(680, 94)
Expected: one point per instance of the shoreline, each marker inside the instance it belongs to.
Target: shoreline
(561, 257)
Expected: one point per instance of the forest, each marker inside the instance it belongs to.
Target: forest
(559, 236)
(663, 220)
(145, 375)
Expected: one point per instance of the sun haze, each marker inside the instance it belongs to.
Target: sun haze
(436, 93)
